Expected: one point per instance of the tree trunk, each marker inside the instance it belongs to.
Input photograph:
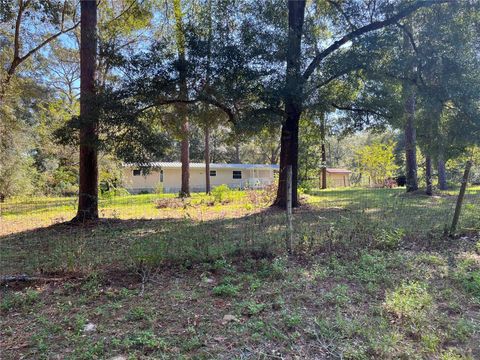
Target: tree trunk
(293, 104)
(410, 130)
(411, 144)
(237, 152)
(185, 157)
(88, 187)
(324, 152)
(428, 175)
(442, 174)
(207, 159)
(274, 155)
(183, 94)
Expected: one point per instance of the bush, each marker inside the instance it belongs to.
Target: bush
(159, 188)
(307, 186)
(221, 194)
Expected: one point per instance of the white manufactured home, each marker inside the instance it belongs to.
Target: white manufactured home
(168, 176)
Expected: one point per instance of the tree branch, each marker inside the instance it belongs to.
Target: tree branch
(17, 59)
(340, 10)
(359, 110)
(127, 9)
(368, 28)
(411, 39)
(161, 102)
(47, 41)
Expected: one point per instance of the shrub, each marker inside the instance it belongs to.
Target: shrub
(159, 188)
(221, 193)
(307, 186)
(147, 253)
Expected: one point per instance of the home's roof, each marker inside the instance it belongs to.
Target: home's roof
(175, 165)
(338, 171)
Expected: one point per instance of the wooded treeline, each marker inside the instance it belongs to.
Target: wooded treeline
(87, 83)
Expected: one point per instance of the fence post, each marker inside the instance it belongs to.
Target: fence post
(289, 239)
(461, 195)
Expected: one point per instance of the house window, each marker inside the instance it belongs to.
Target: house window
(137, 172)
(213, 172)
(161, 175)
(237, 174)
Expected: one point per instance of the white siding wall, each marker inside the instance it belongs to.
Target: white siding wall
(172, 179)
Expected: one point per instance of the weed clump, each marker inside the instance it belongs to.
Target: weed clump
(389, 239)
(222, 194)
(468, 276)
(410, 302)
(226, 290)
(19, 300)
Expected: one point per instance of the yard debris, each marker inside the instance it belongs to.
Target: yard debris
(89, 327)
(229, 318)
(5, 279)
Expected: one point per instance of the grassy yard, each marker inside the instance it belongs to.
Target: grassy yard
(373, 277)
(25, 214)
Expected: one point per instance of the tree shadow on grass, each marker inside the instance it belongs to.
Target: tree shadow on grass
(133, 243)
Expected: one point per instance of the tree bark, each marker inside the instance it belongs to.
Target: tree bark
(442, 174)
(411, 144)
(428, 175)
(185, 159)
(410, 130)
(183, 94)
(88, 189)
(237, 152)
(293, 104)
(324, 152)
(207, 159)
